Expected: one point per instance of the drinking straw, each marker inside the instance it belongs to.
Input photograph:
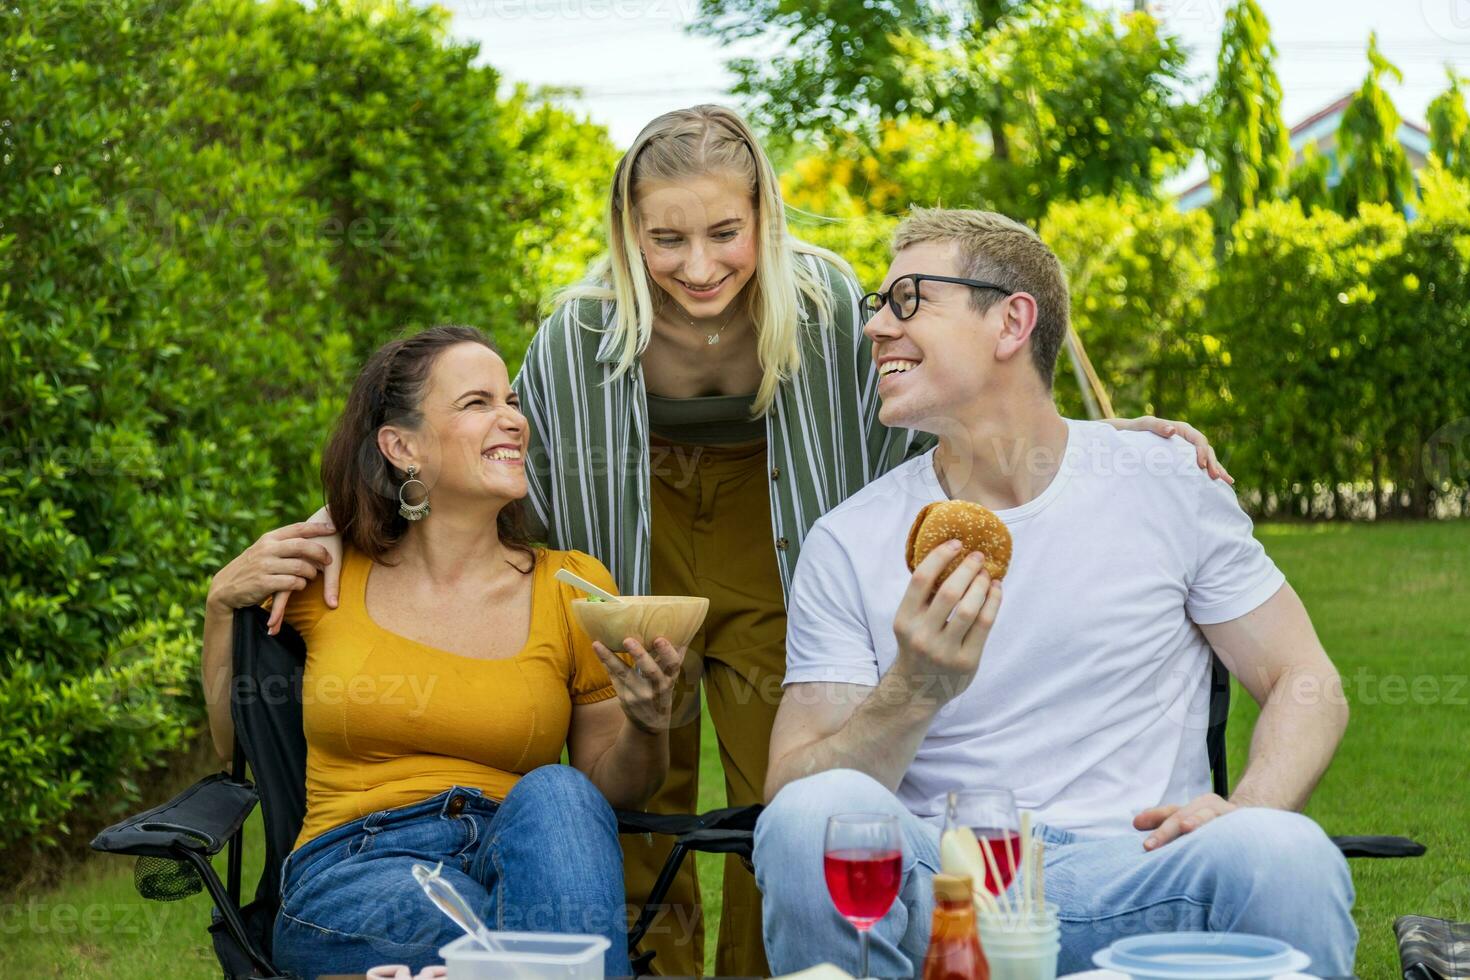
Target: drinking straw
(1041, 874)
(1001, 898)
(1011, 864)
(986, 901)
(977, 883)
(1025, 875)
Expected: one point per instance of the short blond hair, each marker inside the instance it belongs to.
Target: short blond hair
(1003, 251)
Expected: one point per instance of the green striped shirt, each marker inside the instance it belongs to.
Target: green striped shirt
(588, 460)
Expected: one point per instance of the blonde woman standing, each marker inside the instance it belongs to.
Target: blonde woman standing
(700, 400)
(695, 405)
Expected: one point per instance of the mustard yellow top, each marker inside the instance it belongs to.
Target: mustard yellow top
(390, 721)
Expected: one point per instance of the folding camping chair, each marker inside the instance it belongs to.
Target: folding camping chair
(174, 842)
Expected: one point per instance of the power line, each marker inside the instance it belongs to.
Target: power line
(669, 11)
(578, 40)
(659, 93)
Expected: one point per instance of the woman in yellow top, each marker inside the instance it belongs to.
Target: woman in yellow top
(443, 685)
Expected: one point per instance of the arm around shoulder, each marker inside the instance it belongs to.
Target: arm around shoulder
(284, 560)
(552, 360)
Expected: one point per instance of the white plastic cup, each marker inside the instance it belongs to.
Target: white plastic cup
(1024, 949)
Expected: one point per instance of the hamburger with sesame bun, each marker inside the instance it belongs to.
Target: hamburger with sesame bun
(976, 527)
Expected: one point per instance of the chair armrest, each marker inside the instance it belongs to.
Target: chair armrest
(741, 842)
(202, 818)
(678, 824)
(1378, 847)
(634, 822)
(733, 818)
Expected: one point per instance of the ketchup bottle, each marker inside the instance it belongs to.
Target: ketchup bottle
(954, 941)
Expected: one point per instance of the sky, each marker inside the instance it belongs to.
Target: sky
(634, 59)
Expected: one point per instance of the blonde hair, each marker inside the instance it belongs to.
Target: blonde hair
(694, 142)
(998, 249)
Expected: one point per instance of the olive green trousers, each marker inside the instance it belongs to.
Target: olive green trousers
(711, 522)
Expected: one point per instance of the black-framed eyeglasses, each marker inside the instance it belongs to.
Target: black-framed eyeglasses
(903, 297)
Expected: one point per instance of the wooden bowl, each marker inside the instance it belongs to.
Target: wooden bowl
(644, 617)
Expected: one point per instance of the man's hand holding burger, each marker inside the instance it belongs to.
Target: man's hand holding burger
(941, 627)
(952, 599)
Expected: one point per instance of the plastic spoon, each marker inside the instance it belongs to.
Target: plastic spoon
(577, 581)
(449, 901)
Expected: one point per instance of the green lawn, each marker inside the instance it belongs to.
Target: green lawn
(1391, 602)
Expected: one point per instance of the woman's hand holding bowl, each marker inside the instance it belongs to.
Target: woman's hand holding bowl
(645, 681)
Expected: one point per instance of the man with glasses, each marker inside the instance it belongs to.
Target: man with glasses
(1084, 689)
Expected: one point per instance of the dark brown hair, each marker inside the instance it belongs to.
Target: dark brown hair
(361, 485)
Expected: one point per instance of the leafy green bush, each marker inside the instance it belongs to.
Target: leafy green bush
(210, 210)
(1296, 369)
(1418, 325)
(1138, 272)
(1327, 357)
(558, 204)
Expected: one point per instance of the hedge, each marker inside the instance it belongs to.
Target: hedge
(209, 211)
(1328, 358)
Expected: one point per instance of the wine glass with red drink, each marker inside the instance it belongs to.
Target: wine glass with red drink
(863, 861)
(990, 812)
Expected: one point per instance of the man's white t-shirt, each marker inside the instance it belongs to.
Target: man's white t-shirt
(1092, 696)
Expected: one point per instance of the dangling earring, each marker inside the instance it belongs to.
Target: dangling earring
(418, 511)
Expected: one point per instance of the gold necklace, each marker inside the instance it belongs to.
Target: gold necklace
(710, 339)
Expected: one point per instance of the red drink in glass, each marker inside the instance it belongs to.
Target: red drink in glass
(863, 883)
(989, 813)
(862, 860)
(1005, 847)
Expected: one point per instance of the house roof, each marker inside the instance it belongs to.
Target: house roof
(1324, 119)
(1337, 108)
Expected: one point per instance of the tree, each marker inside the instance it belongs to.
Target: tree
(906, 161)
(1449, 128)
(847, 60)
(1093, 102)
(845, 63)
(1307, 182)
(1065, 100)
(1249, 146)
(1374, 167)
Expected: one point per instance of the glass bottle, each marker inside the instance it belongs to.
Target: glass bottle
(954, 940)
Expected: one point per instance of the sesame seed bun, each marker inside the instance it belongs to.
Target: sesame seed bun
(977, 527)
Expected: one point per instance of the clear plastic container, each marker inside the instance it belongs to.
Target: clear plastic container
(527, 956)
(1201, 956)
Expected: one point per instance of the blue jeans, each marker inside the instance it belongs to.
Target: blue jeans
(1262, 871)
(545, 860)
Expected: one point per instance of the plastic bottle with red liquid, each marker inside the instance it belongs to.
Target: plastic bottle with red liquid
(954, 939)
